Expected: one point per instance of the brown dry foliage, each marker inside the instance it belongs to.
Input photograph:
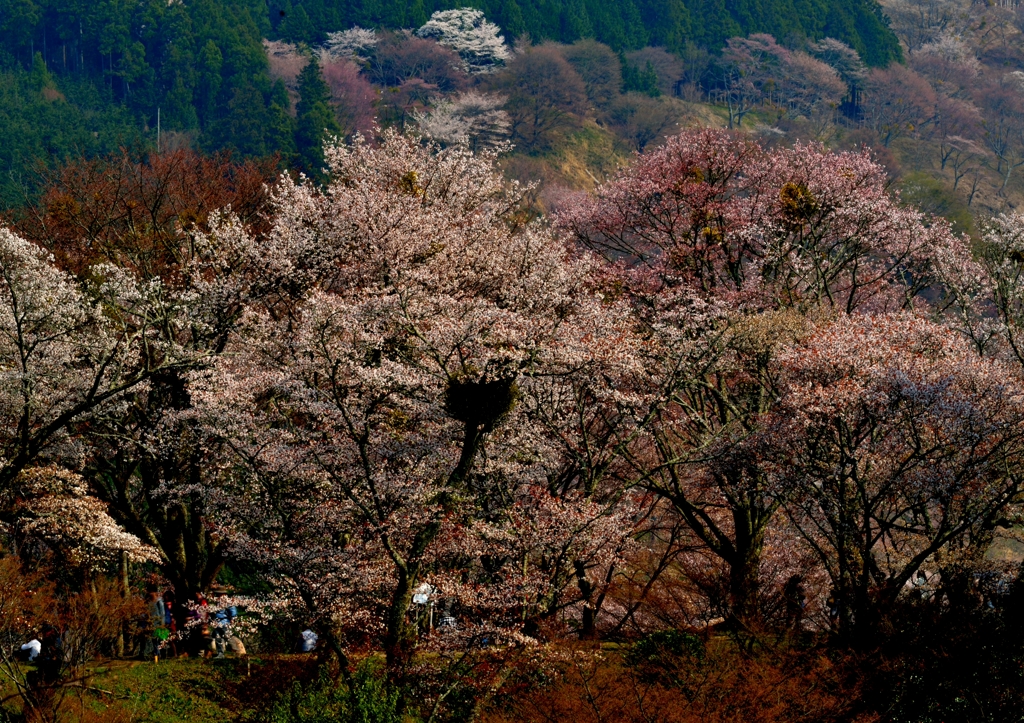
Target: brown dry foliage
(90, 623)
(727, 686)
(135, 212)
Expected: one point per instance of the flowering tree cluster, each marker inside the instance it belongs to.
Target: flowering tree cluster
(745, 262)
(101, 336)
(899, 439)
(399, 392)
(381, 432)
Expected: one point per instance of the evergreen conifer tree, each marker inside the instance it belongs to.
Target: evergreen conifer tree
(280, 131)
(242, 122)
(211, 61)
(315, 120)
(575, 21)
(296, 26)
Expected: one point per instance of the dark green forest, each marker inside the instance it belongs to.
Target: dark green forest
(88, 76)
(623, 24)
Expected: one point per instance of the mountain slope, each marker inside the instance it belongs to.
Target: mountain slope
(623, 24)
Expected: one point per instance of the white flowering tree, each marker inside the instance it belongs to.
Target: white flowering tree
(475, 119)
(466, 31)
(67, 349)
(407, 422)
(351, 43)
(53, 506)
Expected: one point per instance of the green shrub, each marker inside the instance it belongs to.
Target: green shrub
(324, 700)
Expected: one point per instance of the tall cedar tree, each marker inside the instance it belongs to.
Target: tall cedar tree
(315, 119)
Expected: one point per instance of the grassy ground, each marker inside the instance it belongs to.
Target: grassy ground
(172, 691)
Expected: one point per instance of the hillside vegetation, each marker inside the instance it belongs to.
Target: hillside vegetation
(624, 25)
(391, 363)
(86, 77)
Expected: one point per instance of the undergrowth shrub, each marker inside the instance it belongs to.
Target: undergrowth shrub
(324, 700)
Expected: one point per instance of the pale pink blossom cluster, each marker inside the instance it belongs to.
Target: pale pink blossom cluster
(405, 399)
(895, 434)
(785, 295)
(53, 507)
(390, 427)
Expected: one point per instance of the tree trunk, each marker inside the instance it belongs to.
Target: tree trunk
(744, 585)
(123, 639)
(745, 566)
(588, 628)
(400, 637)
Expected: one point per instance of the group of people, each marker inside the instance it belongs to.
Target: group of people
(200, 635)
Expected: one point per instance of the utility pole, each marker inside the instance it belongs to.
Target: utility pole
(158, 130)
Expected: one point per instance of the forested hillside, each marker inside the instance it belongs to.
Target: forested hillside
(87, 77)
(624, 24)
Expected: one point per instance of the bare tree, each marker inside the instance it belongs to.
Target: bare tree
(962, 155)
(696, 63)
(600, 69)
(641, 120)
(545, 96)
(898, 101)
(955, 121)
(1004, 127)
(399, 57)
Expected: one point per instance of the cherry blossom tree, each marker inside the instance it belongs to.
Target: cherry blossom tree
(352, 95)
(918, 22)
(743, 59)
(351, 43)
(950, 63)
(842, 58)
(67, 351)
(1004, 125)
(727, 250)
(382, 433)
(112, 353)
(476, 119)
(791, 227)
(466, 31)
(810, 86)
(956, 122)
(984, 293)
(899, 441)
(53, 506)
